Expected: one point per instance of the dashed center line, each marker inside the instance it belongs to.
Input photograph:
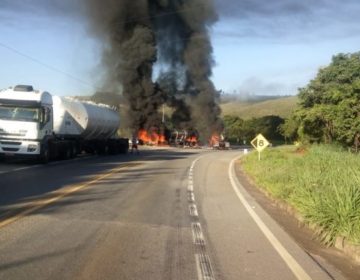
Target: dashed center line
(190, 187)
(198, 236)
(193, 210)
(191, 197)
(204, 268)
(202, 260)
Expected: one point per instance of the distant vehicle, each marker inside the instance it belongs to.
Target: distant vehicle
(38, 125)
(184, 138)
(218, 142)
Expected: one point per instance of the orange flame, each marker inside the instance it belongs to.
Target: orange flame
(192, 139)
(215, 139)
(152, 138)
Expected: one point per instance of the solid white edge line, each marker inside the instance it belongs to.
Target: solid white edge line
(298, 271)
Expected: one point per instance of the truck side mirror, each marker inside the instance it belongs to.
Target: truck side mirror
(45, 116)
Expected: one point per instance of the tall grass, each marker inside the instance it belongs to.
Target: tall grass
(322, 183)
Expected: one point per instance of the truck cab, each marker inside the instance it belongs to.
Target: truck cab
(26, 121)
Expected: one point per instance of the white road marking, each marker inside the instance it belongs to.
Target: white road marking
(298, 271)
(20, 169)
(197, 233)
(58, 162)
(193, 210)
(191, 197)
(27, 167)
(203, 266)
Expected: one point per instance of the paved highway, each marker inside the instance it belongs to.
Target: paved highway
(163, 214)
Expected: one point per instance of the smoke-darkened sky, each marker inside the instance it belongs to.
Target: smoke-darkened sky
(263, 47)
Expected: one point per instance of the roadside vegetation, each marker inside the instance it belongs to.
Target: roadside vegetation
(321, 182)
(321, 177)
(329, 106)
(239, 131)
(244, 119)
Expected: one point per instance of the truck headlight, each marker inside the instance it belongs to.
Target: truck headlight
(32, 148)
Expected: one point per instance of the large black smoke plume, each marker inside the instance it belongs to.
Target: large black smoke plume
(171, 34)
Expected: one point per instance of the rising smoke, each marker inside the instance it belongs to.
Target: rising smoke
(171, 34)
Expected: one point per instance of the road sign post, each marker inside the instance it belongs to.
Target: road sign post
(260, 143)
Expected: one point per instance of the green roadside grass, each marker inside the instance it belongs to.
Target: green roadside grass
(321, 182)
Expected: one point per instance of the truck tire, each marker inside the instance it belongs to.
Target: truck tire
(73, 150)
(66, 151)
(103, 149)
(44, 154)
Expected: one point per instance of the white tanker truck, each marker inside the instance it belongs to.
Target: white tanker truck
(38, 125)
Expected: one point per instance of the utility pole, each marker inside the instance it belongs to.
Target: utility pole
(163, 114)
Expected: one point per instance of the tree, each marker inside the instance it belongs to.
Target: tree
(234, 130)
(289, 129)
(329, 107)
(268, 126)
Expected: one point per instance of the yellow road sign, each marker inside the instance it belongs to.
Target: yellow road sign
(260, 142)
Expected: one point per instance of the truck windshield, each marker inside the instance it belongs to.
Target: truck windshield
(20, 113)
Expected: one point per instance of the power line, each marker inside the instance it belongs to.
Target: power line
(46, 65)
(37, 61)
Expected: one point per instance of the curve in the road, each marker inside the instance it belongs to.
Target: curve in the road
(298, 271)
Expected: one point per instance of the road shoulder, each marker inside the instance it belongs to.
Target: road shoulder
(303, 235)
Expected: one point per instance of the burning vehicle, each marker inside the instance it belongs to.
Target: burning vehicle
(218, 142)
(184, 138)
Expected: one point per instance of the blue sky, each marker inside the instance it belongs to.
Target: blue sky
(260, 47)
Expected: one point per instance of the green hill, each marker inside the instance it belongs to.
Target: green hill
(254, 109)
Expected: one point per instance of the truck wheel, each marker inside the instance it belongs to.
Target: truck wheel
(112, 145)
(66, 152)
(73, 150)
(44, 154)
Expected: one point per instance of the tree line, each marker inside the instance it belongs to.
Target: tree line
(240, 131)
(328, 110)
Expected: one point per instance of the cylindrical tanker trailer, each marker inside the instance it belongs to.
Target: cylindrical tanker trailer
(36, 124)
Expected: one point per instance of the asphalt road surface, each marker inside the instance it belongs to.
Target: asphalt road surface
(163, 214)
